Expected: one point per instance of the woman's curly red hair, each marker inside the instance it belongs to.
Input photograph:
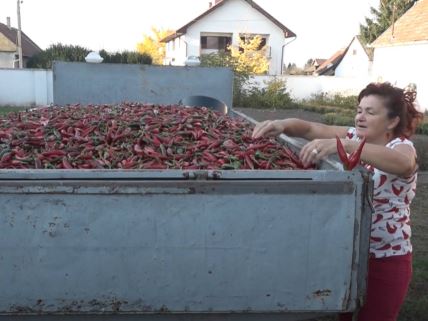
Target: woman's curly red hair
(399, 103)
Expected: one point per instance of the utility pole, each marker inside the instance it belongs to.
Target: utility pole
(19, 35)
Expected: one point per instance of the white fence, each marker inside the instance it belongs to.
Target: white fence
(26, 87)
(34, 87)
(303, 87)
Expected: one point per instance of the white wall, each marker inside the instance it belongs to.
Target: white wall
(237, 16)
(175, 51)
(7, 59)
(355, 63)
(26, 87)
(303, 87)
(402, 65)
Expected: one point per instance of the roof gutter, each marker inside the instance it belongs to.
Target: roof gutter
(282, 53)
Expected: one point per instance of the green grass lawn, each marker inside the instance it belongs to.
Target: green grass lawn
(8, 109)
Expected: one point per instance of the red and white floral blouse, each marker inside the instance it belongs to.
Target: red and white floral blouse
(390, 231)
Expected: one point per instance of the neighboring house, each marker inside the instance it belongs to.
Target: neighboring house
(223, 24)
(353, 61)
(309, 70)
(328, 67)
(401, 52)
(9, 48)
(357, 61)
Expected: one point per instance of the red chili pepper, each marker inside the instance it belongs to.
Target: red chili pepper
(156, 141)
(66, 164)
(349, 163)
(342, 153)
(130, 135)
(54, 153)
(249, 162)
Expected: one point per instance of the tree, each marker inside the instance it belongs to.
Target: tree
(292, 69)
(62, 52)
(126, 57)
(245, 60)
(224, 59)
(57, 52)
(250, 56)
(389, 11)
(153, 46)
(309, 63)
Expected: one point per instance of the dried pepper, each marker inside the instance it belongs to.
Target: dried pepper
(351, 161)
(136, 136)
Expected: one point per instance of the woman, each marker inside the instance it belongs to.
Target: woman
(386, 117)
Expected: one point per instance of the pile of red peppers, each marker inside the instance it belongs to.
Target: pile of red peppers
(135, 136)
(351, 161)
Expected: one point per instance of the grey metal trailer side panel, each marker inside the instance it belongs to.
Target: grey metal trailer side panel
(205, 245)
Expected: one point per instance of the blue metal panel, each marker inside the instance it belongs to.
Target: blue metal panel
(115, 83)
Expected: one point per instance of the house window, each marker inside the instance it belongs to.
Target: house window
(263, 42)
(354, 52)
(216, 42)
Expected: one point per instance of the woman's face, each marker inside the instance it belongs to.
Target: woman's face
(372, 122)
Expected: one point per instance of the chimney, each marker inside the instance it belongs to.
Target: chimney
(8, 22)
(210, 4)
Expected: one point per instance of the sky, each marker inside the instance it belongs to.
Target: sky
(322, 26)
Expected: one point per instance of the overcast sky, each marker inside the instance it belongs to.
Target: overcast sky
(322, 26)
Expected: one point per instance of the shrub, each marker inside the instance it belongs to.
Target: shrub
(223, 59)
(126, 57)
(274, 95)
(422, 129)
(57, 52)
(338, 119)
(338, 100)
(62, 52)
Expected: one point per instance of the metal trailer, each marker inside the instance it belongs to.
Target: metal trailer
(183, 245)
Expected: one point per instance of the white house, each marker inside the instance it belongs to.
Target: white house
(328, 67)
(401, 52)
(9, 49)
(357, 60)
(223, 24)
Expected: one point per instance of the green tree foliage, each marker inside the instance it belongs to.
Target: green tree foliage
(273, 95)
(246, 60)
(250, 56)
(152, 45)
(57, 52)
(224, 59)
(383, 17)
(309, 63)
(62, 52)
(126, 57)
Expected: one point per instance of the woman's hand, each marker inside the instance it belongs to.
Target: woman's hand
(316, 150)
(268, 128)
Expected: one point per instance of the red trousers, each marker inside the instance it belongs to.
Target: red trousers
(387, 284)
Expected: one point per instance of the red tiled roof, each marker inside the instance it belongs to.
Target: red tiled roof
(318, 62)
(332, 62)
(29, 48)
(410, 27)
(287, 32)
